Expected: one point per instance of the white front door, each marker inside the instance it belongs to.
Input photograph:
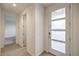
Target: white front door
(59, 31)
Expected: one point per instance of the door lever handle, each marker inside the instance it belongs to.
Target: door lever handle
(49, 33)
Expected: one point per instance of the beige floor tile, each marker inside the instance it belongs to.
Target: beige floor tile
(16, 50)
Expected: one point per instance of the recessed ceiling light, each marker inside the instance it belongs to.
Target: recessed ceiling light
(14, 4)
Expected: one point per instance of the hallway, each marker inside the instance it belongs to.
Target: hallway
(37, 29)
(16, 50)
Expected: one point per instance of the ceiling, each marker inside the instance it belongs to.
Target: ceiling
(18, 9)
(19, 6)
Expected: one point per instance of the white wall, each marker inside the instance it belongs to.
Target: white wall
(2, 28)
(39, 29)
(75, 29)
(17, 29)
(46, 29)
(34, 29)
(30, 29)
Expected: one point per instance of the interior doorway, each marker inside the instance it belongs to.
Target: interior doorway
(10, 30)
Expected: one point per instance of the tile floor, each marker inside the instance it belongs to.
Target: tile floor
(16, 50)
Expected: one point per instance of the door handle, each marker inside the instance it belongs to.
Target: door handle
(49, 33)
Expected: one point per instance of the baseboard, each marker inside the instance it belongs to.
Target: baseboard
(30, 53)
(35, 54)
(49, 52)
(52, 53)
(39, 53)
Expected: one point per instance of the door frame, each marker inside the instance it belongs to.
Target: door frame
(68, 37)
(24, 29)
(21, 30)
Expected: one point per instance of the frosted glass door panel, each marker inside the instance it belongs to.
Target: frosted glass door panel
(58, 14)
(58, 35)
(60, 24)
(58, 31)
(58, 46)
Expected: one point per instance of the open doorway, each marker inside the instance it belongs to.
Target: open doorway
(10, 30)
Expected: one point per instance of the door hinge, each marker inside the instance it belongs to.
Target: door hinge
(69, 24)
(70, 6)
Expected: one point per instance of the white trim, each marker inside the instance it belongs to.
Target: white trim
(39, 53)
(29, 53)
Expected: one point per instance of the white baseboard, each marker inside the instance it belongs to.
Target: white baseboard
(39, 53)
(31, 54)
